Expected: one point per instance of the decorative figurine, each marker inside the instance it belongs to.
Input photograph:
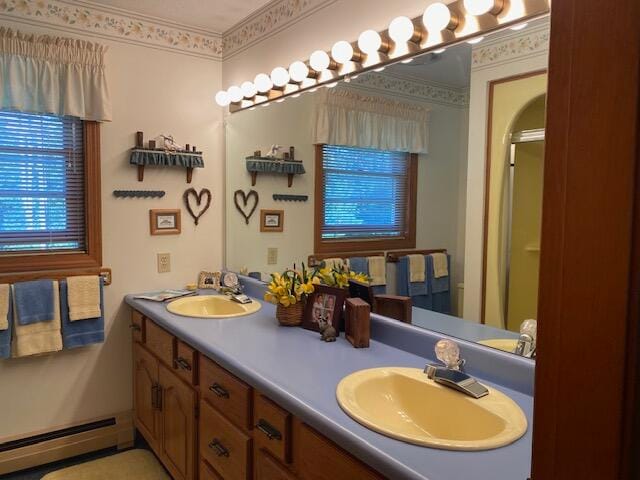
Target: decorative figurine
(273, 151)
(328, 333)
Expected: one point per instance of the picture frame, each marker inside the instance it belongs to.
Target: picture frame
(165, 222)
(209, 280)
(324, 305)
(271, 220)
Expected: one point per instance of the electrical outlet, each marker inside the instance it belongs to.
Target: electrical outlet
(164, 262)
(272, 256)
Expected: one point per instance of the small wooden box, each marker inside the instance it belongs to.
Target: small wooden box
(357, 322)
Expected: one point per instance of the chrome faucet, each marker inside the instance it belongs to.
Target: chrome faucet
(451, 375)
(526, 346)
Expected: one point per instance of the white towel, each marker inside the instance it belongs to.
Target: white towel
(4, 306)
(336, 263)
(83, 294)
(377, 270)
(440, 267)
(37, 338)
(416, 268)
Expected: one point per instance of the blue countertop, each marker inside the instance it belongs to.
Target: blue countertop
(457, 327)
(296, 369)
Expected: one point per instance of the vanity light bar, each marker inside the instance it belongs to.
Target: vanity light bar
(440, 26)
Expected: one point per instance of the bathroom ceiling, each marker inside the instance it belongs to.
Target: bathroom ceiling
(211, 15)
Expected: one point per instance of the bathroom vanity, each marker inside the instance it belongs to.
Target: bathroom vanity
(242, 398)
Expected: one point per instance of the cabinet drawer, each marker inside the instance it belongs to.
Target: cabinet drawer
(223, 445)
(272, 428)
(137, 326)
(268, 468)
(160, 342)
(207, 473)
(228, 394)
(186, 363)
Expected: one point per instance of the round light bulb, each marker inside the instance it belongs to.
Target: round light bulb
(235, 94)
(401, 29)
(342, 52)
(249, 90)
(369, 42)
(436, 17)
(280, 77)
(319, 60)
(263, 82)
(298, 71)
(479, 7)
(222, 98)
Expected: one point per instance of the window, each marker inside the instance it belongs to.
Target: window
(365, 199)
(49, 192)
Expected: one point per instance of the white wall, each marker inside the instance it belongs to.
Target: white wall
(157, 92)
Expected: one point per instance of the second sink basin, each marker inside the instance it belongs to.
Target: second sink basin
(212, 306)
(404, 404)
(504, 344)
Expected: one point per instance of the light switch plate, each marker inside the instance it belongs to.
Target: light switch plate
(164, 262)
(272, 256)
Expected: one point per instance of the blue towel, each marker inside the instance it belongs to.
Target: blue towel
(34, 301)
(359, 265)
(5, 335)
(438, 285)
(81, 332)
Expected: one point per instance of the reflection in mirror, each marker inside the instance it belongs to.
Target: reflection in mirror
(426, 176)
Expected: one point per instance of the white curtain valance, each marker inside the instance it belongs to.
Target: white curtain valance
(62, 76)
(347, 117)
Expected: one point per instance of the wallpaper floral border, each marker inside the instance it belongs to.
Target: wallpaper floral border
(274, 16)
(532, 42)
(413, 88)
(116, 25)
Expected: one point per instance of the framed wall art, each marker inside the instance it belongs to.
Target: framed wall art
(271, 220)
(164, 222)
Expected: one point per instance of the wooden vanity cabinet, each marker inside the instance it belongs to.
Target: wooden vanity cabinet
(165, 406)
(223, 429)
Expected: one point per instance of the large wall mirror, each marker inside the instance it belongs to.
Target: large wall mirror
(426, 174)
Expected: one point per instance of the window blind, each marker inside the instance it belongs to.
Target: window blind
(41, 183)
(365, 193)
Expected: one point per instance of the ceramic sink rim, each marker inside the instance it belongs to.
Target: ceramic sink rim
(195, 306)
(496, 403)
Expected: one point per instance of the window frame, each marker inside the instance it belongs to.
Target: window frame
(407, 241)
(92, 258)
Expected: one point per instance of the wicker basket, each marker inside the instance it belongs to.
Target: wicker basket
(290, 316)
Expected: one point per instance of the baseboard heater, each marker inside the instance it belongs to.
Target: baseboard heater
(63, 432)
(66, 441)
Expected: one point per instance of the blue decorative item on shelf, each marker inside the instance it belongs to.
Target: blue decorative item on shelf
(289, 167)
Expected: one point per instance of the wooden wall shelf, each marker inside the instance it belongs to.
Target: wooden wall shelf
(143, 157)
(256, 165)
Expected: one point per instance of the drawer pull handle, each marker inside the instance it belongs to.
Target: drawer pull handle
(136, 327)
(220, 450)
(156, 396)
(269, 430)
(182, 363)
(219, 390)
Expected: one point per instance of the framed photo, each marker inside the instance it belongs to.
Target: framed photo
(324, 306)
(271, 220)
(209, 280)
(164, 222)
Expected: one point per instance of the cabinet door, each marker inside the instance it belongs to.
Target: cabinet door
(178, 425)
(268, 468)
(145, 384)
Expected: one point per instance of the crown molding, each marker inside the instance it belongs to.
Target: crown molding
(268, 21)
(115, 24)
(533, 41)
(408, 88)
